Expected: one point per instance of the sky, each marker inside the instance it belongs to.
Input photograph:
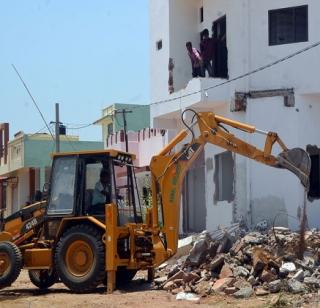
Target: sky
(82, 54)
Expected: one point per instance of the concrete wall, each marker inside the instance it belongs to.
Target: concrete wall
(159, 30)
(184, 18)
(261, 192)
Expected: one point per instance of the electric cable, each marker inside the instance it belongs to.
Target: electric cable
(33, 100)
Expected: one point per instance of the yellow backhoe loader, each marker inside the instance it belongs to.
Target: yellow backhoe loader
(91, 228)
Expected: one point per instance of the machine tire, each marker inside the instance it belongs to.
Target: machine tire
(11, 258)
(80, 258)
(43, 279)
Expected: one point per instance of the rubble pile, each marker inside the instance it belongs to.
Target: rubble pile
(231, 263)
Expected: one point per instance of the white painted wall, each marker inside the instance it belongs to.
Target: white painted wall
(159, 30)
(261, 191)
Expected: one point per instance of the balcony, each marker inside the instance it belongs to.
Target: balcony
(200, 94)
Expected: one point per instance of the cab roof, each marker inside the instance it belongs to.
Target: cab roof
(108, 152)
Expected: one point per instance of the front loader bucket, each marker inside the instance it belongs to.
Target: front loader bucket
(297, 161)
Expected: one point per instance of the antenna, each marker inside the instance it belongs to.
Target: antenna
(33, 100)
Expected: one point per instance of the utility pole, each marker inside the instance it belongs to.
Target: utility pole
(57, 129)
(124, 111)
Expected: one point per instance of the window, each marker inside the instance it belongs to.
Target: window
(289, 25)
(159, 45)
(201, 14)
(128, 202)
(224, 177)
(62, 186)
(110, 129)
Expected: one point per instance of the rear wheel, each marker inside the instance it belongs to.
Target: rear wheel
(79, 258)
(10, 263)
(43, 279)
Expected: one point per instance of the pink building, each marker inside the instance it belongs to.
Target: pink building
(144, 143)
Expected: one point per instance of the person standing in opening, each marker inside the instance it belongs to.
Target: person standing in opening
(102, 189)
(196, 60)
(207, 52)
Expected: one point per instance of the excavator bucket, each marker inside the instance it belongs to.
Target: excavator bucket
(297, 161)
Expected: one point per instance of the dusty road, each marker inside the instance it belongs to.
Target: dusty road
(138, 294)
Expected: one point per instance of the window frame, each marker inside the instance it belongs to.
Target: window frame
(219, 174)
(55, 213)
(293, 9)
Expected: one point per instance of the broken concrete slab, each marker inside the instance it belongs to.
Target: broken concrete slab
(289, 266)
(160, 280)
(295, 286)
(299, 275)
(261, 292)
(222, 284)
(275, 286)
(243, 293)
(216, 262)
(312, 281)
(203, 288)
(226, 271)
(241, 271)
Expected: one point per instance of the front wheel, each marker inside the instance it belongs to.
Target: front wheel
(79, 258)
(10, 263)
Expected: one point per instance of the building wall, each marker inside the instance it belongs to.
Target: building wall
(34, 151)
(184, 18)
(159, 30)
(138, 118)
(144, 144)
(260, 192)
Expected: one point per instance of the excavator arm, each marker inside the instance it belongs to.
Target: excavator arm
(168, 169)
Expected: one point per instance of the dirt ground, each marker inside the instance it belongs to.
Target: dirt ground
(137, 294)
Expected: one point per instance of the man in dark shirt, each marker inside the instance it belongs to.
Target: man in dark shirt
(207, 52)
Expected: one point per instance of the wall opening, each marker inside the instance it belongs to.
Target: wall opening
(220, 63)
(224, 177)
(194, 210)
(159, 44)
(314, 190)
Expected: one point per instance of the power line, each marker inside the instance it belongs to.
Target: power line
(33, 100)
(37, 132)
(261, 68)
(80, 127)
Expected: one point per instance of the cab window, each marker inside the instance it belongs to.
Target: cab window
(62, 186)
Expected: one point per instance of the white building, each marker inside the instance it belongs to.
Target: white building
(285, 98)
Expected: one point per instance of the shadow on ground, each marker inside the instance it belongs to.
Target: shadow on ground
(137, 285)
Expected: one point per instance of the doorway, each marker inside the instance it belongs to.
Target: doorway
(219, 34)
(194, 205)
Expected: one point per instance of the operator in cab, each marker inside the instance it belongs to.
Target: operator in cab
(102, 192)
